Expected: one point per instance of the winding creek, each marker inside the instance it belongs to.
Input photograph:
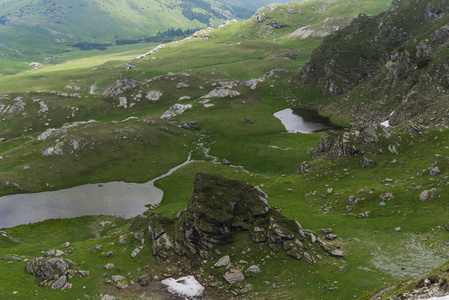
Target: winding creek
(121, 198)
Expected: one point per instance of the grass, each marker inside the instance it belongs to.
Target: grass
(374, 252)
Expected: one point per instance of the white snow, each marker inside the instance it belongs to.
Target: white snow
(185, 286)
(386, 123)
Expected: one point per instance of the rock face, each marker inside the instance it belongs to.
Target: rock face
(120, 87)
(384, 53)
(218, 209)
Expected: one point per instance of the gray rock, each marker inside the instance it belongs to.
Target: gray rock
(235, 276)
(337, 253)
(136, 251)
(122, 240)
(175, 110)
(392, 148)
(398, 229)
(327, 230)
(84, 273)
(386, 197)
(434, 171)
(366, 162)
(45, 268)
(221, 93)
(139, 235)
(50, 252)
(426, 195)
(331, 237)
(253, 269)
(182, 85)
(308, 258)
(145, 280)
(224, 261)
(120, 87)
(154, 95)
(59, 283)
(110, 254)
(369, 134)
(225, 162)
(109, 266)
(117, 278)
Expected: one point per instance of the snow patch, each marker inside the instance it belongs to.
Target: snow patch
(185, 286)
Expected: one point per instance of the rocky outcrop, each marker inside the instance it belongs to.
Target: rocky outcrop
(175, 110)
(53, 272)
(154, 95)
(335, 144)
(221, 93)
(120, 87)
(218, 210)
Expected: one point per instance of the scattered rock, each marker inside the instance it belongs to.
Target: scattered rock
(427, 195)
(398, 229)
(235, 276)
(182, 85)
(337, 253)
(222, 262)
(327, 230)
(225, 162)
(59, 283)
(331, 237)
(175, 110)
(136, 251)
(221, 93)
(120, 87)
(154, 95)
(109, 266)
(253, 269)
(369, 134)
(366, 162)
(245, 120)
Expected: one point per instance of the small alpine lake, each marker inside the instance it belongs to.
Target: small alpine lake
(111, 198)
(301, 120)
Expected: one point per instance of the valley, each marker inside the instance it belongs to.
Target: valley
(369, 201)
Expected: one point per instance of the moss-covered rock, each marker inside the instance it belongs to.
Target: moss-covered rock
(218, 210)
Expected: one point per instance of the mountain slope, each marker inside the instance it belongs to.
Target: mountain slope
(390, 67)
(50, 25)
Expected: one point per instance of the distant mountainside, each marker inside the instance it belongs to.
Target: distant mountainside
(253, 4)
(51, 24)
(392, 67)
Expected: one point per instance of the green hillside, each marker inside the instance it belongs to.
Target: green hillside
(35, 30)
(386, 67)
(374, 199)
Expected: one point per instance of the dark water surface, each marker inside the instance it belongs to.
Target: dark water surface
(299, 120)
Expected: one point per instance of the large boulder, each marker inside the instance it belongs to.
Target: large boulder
(53, 272)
